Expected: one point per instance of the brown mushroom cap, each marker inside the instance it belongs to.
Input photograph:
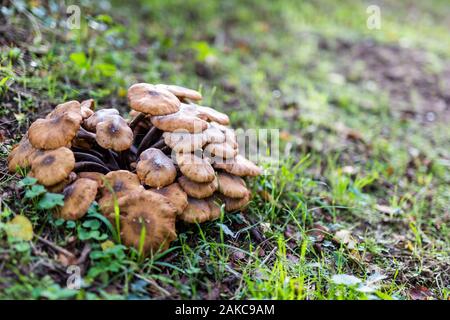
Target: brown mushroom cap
(99, 116)
(114, 133)
(59, 187)
(21, 155)
(234, 204)
(149, 210)
(54, 132)
(196, 189)
(184, 141)
(213, 134)
(119, 183)
(220, 151)
(181, 92)
(176, 196)
(239, 166)
(185, 119)
(69, 106)
(155, 169)
(95, 176)
(52, 166)
(152, 100)
(210, 114)
(195, 168)
(77, 198)
(200, 210)
(231, 186)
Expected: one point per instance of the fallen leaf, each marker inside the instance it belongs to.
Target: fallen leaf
(345, 279)
(20, 228)
(345, 237)
(107, 244)
(386, 209)
(420, 293)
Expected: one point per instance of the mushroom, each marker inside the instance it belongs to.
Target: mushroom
(77, 198)
(213, 134)
(176, 196)
(147, 213)
(99, 116)
(21, 155)
(59, 187)
(239, 166)
(70, 106)
(181, 92)
(87, 107)
(234, 204)
(209, 114)
(184, 141)
(94, 176)
(114, 133)
(152, 100)
(116, 185)
(220, 151)
(231, 186)
(200, 210)
(54, 132)
(195, 168)
(196, 189)
(155, 169)
(50, 167)
(185, 119)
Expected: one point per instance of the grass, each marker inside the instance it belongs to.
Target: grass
(357, 207)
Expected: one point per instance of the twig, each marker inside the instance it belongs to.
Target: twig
(154, 284)
(56, 247)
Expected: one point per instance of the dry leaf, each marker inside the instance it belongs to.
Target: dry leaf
(345, 237)
(20, 228)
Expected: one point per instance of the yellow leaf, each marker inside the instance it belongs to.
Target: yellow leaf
(107, 244)
(20, 228)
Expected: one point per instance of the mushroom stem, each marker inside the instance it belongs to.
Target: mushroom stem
(153, 134)
(84, 134)
(159, 145)
(90, 166)
(89, 151)
(111, 159)
(124, 159)
(81, 156)
(136, 120)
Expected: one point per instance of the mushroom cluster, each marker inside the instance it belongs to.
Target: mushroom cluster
(173, 160)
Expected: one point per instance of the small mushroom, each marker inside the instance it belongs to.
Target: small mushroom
(181, 92)
(176, 196)
(200, 210)
(50, 167)
(59, 187)
(185, 119)
(114, 134)
(196, 189)
(209, 114)
(231, 186)
(21, 155)
(99, 116)
(184, 141)
(155, 169)
(70, 106)
(54, 132)
(213, 134)
(239, 166)
(77, 198)
(151, 213)
(152, 100)
(234, 204)
(87, 108)
(195, 168)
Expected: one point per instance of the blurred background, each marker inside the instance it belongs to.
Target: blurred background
(360, 91)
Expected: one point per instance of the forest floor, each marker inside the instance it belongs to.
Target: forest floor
(358, 206)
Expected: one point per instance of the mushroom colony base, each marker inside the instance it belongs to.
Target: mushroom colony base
(173, 160)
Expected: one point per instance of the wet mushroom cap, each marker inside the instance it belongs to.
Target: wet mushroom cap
(99, 116)
(155, 169)
(54, 132)
(21, 155)
(196, 189)
(52, 166)
(200, 210)
(231, 186)
(176, 196)
(152, 100)
(239, 166)
(115, 134)
(195, 168)
(150, 213)
(181, 92)
(70, 106)
(77, 198)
